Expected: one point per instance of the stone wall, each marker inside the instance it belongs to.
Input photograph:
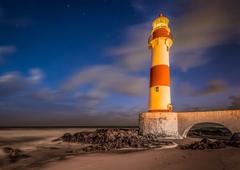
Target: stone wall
(229, 118)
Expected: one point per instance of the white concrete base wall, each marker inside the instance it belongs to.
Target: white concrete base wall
(159, 123)
(177, 124)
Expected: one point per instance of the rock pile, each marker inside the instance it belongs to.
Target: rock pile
(14, 154)
(110, 139)
(206, 143)
(235, 140)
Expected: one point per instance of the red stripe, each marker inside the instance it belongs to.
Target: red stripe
(161, 32)
(160, 76)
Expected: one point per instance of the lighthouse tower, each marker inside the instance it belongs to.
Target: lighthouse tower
(159, 120)
(160, 42)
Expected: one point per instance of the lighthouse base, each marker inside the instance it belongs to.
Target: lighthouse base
(164, 124)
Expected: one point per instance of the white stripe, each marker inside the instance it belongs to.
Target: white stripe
(159, 100)
(160, 54)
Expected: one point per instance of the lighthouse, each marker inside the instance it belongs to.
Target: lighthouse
(160, 42)
(159, 119)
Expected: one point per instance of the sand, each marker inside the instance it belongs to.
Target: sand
(167, 159)
(48, 155)
(37, 143)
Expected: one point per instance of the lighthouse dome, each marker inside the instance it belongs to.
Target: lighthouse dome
(161, 21)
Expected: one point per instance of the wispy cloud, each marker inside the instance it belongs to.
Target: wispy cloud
(205, 25)
(215, 94)
(16, 22)
(133, 55)
(234, 102)
(46, 94)
(5, 51)
(108, 79)
(36, 74)
(37, 104)
(139, 5)
(212, 87)
(12, 83)
(13, 21)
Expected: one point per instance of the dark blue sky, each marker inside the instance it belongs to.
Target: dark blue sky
(71, 62)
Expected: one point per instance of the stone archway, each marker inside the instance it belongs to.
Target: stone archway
(203, 127)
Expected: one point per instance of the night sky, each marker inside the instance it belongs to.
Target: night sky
(86, 62)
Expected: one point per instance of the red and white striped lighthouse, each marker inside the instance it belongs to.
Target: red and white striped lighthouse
(160, 42)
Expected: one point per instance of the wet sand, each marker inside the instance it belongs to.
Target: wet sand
(37, 143)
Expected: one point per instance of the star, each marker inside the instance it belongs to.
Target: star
(68, 5)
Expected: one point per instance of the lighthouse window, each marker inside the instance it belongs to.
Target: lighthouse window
(157, 89)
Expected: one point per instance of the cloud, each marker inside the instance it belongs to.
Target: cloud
(205, 25)
(16, 21)
(36, 74)
(234, 102)
(12, 83)
(108, 79)
(6, 50)
(133, 55)
(212, 87)
(72, 118)
(214, 95)
(46, 94)
(82, 102)
(139, 5)
(37, 104)
(190, 59)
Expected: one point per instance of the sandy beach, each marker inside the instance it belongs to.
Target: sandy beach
(47, 155)
(167, 159)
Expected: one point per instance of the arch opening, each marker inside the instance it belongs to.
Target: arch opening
(209, 130)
